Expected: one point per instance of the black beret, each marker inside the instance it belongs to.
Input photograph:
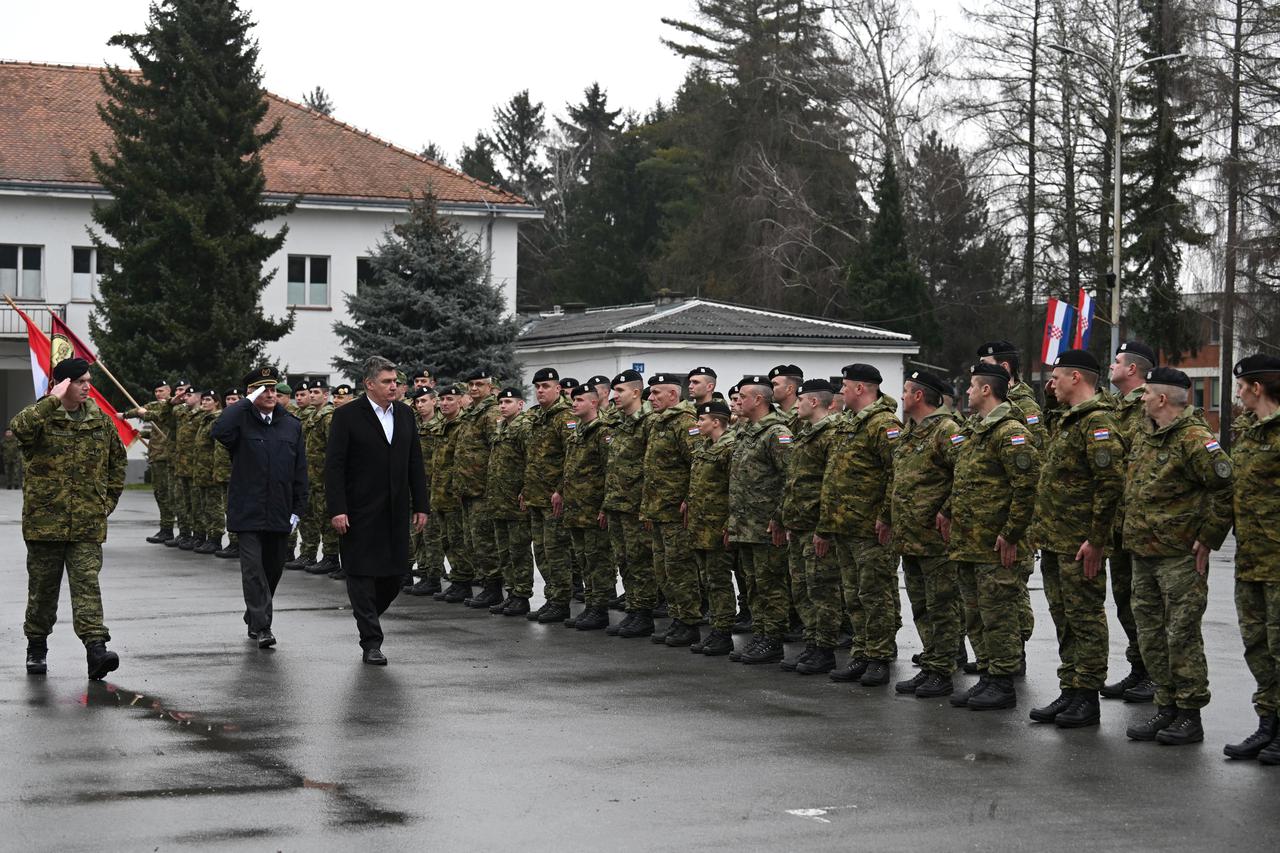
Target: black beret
(232, 392)
(304, 385)
(628, 376)
(510, 394)
(182, 383)
(931, 381)
(702, 371)
(1252, 365)
(569, 383)
(716, 408)
(320, 382)
(1138, 348)
(209, 395)
(997, 348)
(1168, 376)
(599, 380)
(810, 386)
(257, 378)
(754, 379)
(163, 383)
(786, 370)
(547, 374)
(343, 390)
(413, 394)
(70, 368)
(422, 374)
(664, 379)
(716, 395)
(735, 389)
(836, 382)
(984, 369)
(582, 391)
(479, 376)
(452, 390)
(1079, 359)
(861, 373)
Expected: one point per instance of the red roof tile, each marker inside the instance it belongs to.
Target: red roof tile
(49, 123)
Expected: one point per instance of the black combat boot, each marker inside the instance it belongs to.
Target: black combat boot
(533, 615)
(594, 618)
(1247, 748)
(298, 563)
(554, 612)
(697, 647)
(822, 660)
(1143, 691)
(209, 546)
(322, 567)
(616, 628)
(1185, 729)
(231, 552)
(998, 696)
(719, 643)
(910, 686)
(163, 535)
(100, 660)
(519, 606)
(426, 586)
(458, 592)
(175, 541)
(742, 623)
(1085, 710)
(1165, 715)
(1270, 755)
(937, 685)
(618, 603)
(877, 674)
(1049, 713)
(37, 651)
(961, 700)
(1116, 690)
(659, 638)
(790, 664)
(496, 609)
(491, 594)
(661, 611)
(768, 650)
(752, 642)
(851, 671)
(683, 635)
(189, 542)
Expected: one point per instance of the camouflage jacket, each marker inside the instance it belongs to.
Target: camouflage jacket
(182, 451)
(505, 476)
(160, 413)
(855, 486)
(806, 465)
(994, 488)
(544, 452)
(668, 451)
(315, 432)
(443, 497)
(757, 476)
(1081, 480)
(74, 472)
(475, 437)
(1178, 490)
(1130, 414)
(202, 448)
(1256, 456)
(221, 463)
(429, 435)
(708, 501)
(924, 461)
(624, 478)
(1023, 400)
(586, 454)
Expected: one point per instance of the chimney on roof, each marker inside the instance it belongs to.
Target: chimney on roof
(574, 307)
(528, 308)
(665, 296)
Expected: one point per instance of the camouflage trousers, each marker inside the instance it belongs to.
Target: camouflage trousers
(869, 582)
(1026, 616)
(480, 541)
(598, 575)
(453, 536)
(1258, 612)
(1078, 608)
(13, 472)
(1122, 594)
(766, 569)
(196, 491)
(934, 592)
(815, 589)
(182, 503)
(428, 548)
(515, 555)
(162, 488)
(213, 503)
(633, 554)
(551, 554)
(991, 603)
(82, 562)
(1169, 599)
(309, 530)
(676, 570)
(715, 570)
(319, 517)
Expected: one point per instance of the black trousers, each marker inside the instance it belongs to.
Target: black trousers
(370, 597)
(262, 556)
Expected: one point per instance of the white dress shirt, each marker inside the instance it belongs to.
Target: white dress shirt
(386, 417)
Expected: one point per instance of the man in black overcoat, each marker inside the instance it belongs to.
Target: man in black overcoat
(374, 478)
(267, 493)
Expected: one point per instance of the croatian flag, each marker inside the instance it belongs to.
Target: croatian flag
(1084, 325)
(1058, 326)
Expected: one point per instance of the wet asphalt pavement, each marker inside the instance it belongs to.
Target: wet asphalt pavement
(497, 734)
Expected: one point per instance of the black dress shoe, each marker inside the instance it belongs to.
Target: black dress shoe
(375, 657)
(266, 639)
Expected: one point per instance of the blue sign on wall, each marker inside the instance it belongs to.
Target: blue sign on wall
(637, 366)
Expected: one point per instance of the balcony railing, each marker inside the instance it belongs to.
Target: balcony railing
(12, 326)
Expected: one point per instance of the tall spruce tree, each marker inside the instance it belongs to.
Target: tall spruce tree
(431, 302)
(186, 212)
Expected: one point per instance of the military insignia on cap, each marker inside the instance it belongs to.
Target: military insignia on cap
(266, 371)
(1017, 440)
(915, 374)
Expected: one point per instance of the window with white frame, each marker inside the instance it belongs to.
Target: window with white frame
(21, 271)
(87, 266)
(308, 281)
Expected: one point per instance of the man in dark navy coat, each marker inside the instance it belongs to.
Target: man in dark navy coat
(374, 479)
(267, 493)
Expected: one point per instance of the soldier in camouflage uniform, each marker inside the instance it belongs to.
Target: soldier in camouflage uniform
(855, 514)
(987, 517)
(159, 413)
(544, 467)
(74, 478)
(209, 520)
(13, 465)
(923, 464)
(222, 478)
(1256, 457)
(815, 581)
(315, 432)
(1128, 373)
(428, 547)
(289, 399)
(470, 467)
(624, 476)
(701, 385)
(757, 474)
(504, 482)
(1177, 509)
(785, 379)
(186, 402)
(706, 513)
(1081, 479)
(445, 501)
(603, 388)
(579, 504)
(309, 531)
(342, 395)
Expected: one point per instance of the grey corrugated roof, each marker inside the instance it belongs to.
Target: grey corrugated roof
(701, 320)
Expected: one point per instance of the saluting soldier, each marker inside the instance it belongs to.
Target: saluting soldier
(624, 479)
(579, 503)
(187, 402)
(504, 482)
(1177, 509)
(74, 478)
(706, 513)
(544, 467)
(160, 413)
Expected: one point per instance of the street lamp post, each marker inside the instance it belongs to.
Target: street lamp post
(1119, 80)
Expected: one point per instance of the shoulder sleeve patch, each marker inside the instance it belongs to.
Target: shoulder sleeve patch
(892, 433)
(1102, 457)
(1222, 468)
(784, 438)
(957, 438)
(570, 424)
(1212, 445)
(1023, 461)
(1017, 439)
(695, 431)
(1101, 434)
(1032, 420)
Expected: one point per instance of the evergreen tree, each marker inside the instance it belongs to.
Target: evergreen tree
(433, 152)
(591, 127)
(186, 214)
(519, 132)
(318, 99)
(430, 302)
(477, 161)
